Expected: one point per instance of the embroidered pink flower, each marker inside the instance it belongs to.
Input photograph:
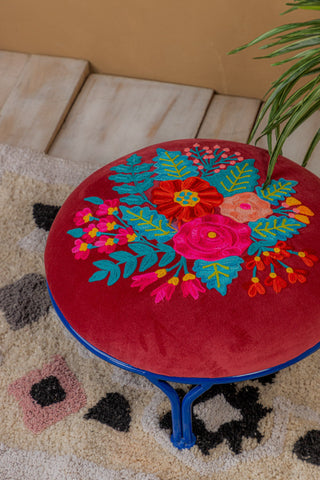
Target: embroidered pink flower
(91, 233)
(191, 286)
(106, 224)
(125, 235)
(106, 244)
(108, 207)
(82, 217)
(80, 250)
(245, 207)
(166, 290)
(144, 280)
(212, 237)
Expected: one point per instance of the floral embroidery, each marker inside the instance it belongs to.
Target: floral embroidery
(191, 220)
(245, 207)
(211, 238)
(185, 200)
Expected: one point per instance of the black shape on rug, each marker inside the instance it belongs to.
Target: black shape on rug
(307, 448)
(267, 379)
(25, 301)
(243, 400)
(48, 391)
(112, 410)
(44, 215)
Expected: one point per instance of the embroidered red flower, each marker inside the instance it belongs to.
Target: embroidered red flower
(256, 287)
(295, 275)
(276, 282)
(255, 262)
(308, 257)
(187, 199)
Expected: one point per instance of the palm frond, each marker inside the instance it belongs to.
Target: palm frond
(288, 104)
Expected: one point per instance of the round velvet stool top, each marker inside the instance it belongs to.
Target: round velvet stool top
(174, 262)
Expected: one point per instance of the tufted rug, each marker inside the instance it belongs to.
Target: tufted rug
(70, 416)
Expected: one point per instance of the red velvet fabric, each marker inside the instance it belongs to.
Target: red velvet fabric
(210, 337)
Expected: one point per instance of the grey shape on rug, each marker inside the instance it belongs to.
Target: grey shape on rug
(25, 301)
(35, 241)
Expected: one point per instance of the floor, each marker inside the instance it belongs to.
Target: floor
(55, 105)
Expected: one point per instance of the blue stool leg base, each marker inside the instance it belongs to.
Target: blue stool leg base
(181, 411)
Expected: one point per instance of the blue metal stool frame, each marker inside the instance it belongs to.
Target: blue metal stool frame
(182, 435)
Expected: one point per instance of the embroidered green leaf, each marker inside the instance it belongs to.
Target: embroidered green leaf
(275, 228)
(239, 178)
(94, 200)
(218, 274)
(134, 179)
(149, 223)
(76, 232)
(108, 268)
(169, 255)
(277, 190)
(99, 275)
(150, 257)
(260, 246)
(130, 262)
(174, 165)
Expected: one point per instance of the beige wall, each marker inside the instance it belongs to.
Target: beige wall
(181, 41)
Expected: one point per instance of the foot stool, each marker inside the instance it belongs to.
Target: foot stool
(175, 263)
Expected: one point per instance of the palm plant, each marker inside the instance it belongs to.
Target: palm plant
(295, 95)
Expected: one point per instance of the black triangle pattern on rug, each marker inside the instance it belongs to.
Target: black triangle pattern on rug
(244, 400)
(25, 300)
(44, 215)
(112, 410)
(307, 448)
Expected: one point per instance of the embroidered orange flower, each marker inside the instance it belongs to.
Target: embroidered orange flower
(187, 199)
(299, 212)
(255, 262)
(276, 282)
(245, 207)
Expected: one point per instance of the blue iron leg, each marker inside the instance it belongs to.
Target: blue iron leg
(181, 412)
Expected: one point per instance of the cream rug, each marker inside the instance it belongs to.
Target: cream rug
(67, 415)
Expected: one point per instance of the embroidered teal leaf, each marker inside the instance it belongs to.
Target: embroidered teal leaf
(174, 165)
(134, 159)
(133, 200)
(134, 179)
(218, 274)
(130, 262)
(239, 178)
(277, 190)
(150, 257)
(260, 245)
(99, 275)
(107, 267)
(94, 200)
(149, 223)
(169, 254)
(275, 228)
(76, 232)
